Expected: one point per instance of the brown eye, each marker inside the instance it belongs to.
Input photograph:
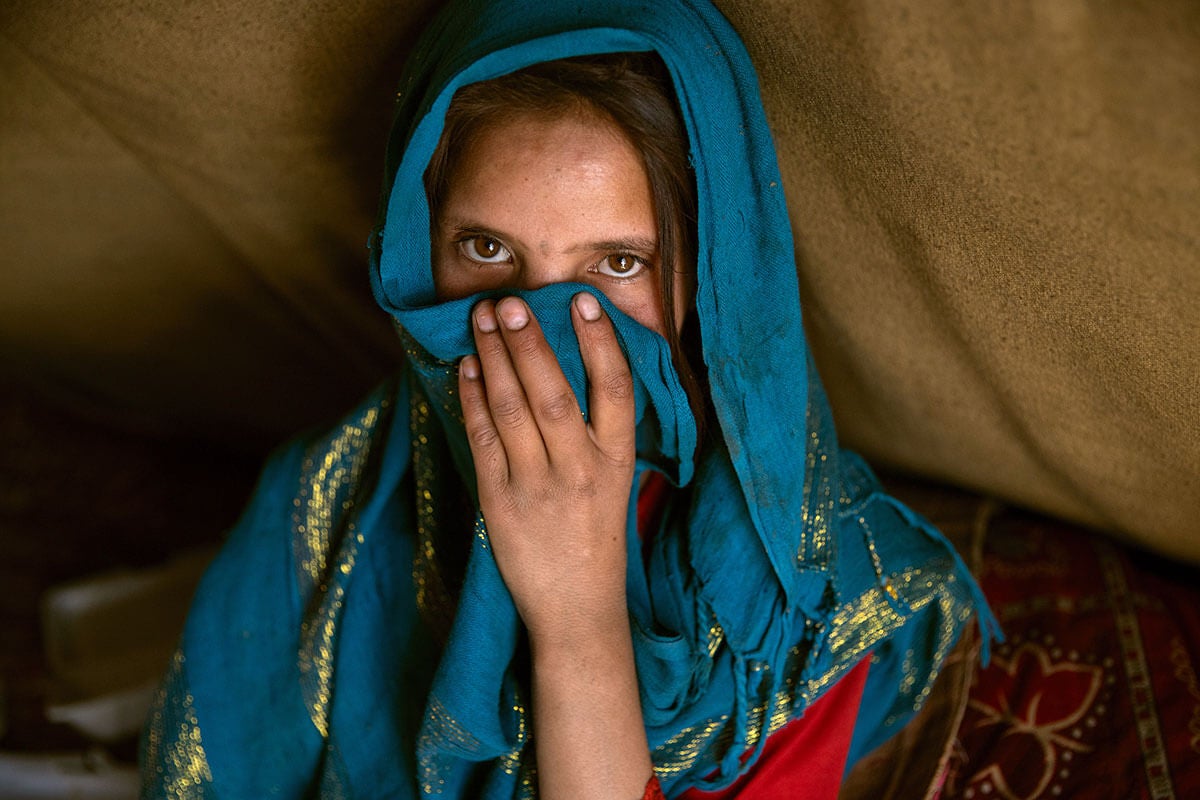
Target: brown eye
(620, 265)
(484, 249)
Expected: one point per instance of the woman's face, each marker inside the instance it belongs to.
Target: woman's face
(533, 201)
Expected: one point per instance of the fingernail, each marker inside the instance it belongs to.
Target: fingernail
(469, 367)
(589, 307)
(512, 313)
(485, 319)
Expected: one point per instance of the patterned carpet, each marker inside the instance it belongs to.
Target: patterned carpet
(1095, 692)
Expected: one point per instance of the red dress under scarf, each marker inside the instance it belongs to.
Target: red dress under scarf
(805, 758)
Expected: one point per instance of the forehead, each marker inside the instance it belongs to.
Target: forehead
(575, 163)
(560, 138)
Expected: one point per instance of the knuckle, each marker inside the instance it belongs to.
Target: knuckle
(483, 438)
(559, 408)
(510, 411)
(620, 459)
(617, 385)
(582, 484)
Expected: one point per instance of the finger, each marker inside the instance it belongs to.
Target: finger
(505, 395)
(610, 383)
(487, 449)
(551, 400)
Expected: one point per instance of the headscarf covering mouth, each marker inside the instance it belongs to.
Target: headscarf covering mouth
(438, 335)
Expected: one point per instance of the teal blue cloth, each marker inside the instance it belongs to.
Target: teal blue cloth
(331, 651)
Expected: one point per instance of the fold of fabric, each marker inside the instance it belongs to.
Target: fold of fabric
(335, 648)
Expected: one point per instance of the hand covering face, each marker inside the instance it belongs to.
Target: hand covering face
(333, 648)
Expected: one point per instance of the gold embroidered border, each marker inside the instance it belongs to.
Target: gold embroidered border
(511, 762)
(175, 748)
(856, 628)
(683, 750)
(440, 731)
(434, 602)
(318, 634)
(329, 478)
(817, 513)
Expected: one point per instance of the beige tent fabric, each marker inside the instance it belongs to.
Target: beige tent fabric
(996, 210)
(186, 192)
(997, 214)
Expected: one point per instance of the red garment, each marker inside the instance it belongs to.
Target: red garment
(652, 500)
(805, 758)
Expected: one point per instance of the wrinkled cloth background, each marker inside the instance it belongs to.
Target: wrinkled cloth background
(997, 215)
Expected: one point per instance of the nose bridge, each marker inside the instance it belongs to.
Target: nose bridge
(544, 268)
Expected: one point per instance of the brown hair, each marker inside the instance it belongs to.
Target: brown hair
(634, 91)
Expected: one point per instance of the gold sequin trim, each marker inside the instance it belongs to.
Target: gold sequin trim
(817, 512)
(317, 636)
(175, 748)
(440, 376)
(856, 628)
(327, 478)
(441, 732)
(434, 601)
(683, 750)
(326, 546)
(511, 762)
(527, 780)
(716, 635)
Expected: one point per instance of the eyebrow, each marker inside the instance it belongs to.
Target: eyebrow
(631, 244)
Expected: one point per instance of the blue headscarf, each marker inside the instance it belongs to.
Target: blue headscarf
(331, 649)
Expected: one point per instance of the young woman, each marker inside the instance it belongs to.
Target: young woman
(599, 535)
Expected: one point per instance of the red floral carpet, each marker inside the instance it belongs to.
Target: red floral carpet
(1095, 693)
